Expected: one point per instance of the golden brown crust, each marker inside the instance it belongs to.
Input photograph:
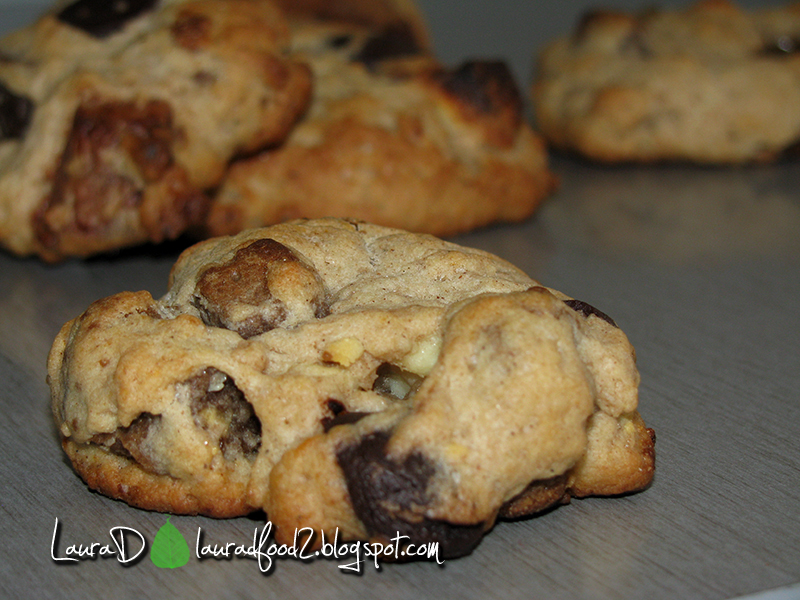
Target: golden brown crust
(620, 457)
(537, 497)
(123, 479)
(398, 141)
(394, 179)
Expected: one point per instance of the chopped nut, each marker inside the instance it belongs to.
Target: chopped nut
(344, 351)
(423, 356)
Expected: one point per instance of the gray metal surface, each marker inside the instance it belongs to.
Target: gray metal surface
(700, 267)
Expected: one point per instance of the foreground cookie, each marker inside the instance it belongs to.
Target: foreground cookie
(116, 116)
(710, 84)
(339, 374)
(394, 138)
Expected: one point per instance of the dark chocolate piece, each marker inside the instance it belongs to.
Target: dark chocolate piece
(15, 114)
(345, 418)
(340, 415)
(339, 41)
(487, 86)
(90, 181)
(101, 18)
(587, 309)
(390, 498)
(394, 41)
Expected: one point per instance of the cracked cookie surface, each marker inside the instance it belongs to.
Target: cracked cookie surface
(338, 374)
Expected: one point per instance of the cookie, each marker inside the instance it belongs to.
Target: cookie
(710, 83)
(116, 116)
(340, 374)
(394, 138)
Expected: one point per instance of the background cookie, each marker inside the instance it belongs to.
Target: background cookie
(710, 83)
(394, 138)
(376, 15)
(340, 374)
(114, 122)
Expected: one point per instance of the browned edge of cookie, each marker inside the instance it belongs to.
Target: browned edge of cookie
(122, 479)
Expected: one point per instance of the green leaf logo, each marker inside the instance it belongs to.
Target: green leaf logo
(169, 550)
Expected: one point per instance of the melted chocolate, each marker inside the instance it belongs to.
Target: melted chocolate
(395, 41)
(389, 497)
(223, 412)
(487, 86)
(15, 114)
(88, 178)
(241, 434)
(129, 442)
(339, 41)
(340, 415)
(244, 281)
(587, 309)
(101, 18)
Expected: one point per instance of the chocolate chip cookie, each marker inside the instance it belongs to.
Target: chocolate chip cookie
(392, 137)
(115, 117)
(710, 83)
(341, 374)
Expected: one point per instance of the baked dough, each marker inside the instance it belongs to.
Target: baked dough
(710, 83)
(394, 138)
(341, 374)
(117, 116)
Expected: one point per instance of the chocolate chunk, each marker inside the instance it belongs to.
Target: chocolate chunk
(101, 18)
(237, 294)
(587, 21)
(339, 41)
(90, 181)
(346, 418)
(390, 498)
(340, 415)
(131, 442)
(219, 407)
(15, 114)
(335, 407)
(486, 86)
(587, 309)
(394, 41)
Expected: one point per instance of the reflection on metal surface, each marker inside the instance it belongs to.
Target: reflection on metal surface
(679, 213)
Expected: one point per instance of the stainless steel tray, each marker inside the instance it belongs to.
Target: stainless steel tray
(700, 267)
